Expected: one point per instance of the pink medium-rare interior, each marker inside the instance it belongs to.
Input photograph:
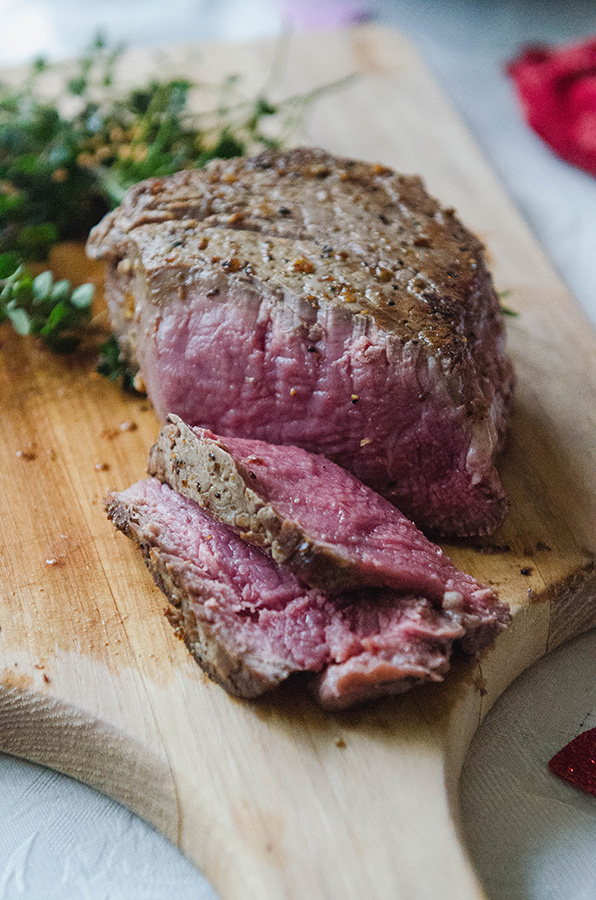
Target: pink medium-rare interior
(259, 609)
(361, 526)
(381, 546)
(333, 384)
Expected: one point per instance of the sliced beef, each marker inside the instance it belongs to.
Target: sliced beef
(311, 515)
(304, 299)
(250, 623)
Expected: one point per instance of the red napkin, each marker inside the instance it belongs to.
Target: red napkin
(557, 89)
(577, 762)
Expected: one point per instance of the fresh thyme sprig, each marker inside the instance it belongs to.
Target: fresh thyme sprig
(52, 310)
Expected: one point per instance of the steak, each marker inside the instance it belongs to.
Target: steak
(250, 623)
(314, 517)
(304, 299)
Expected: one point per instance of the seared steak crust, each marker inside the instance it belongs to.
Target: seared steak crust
(236, 672)
(310, 515)
(311, 300)
(199, 465)
(250, 623)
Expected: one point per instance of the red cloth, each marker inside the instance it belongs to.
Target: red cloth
(557, 89)
(576, 762)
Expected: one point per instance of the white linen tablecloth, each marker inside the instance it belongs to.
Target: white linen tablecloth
(531, 836)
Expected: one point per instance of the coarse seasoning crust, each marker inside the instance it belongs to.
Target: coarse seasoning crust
(354, 235)
(205, 471)
(305, 299)
(317, 520)
(250, 623)
(239, 675)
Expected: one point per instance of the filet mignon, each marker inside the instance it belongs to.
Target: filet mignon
(315, 518)
(250, 623)
(304, 299)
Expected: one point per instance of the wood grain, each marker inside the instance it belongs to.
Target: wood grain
(276, 799)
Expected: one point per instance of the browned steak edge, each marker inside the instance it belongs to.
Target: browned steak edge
(236, 675)
(203, 470)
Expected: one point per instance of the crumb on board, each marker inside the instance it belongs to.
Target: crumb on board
(101, 467)
(480, 685)
(493, 549)
(28, 453)
(112, 432)
(109, 433)
(539, 547)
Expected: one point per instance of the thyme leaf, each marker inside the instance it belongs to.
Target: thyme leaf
(53, 311)
(506, 310)
(114, 366)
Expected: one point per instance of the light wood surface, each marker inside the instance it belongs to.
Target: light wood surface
(264, 796)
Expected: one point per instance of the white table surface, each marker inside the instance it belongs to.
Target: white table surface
(532, 837)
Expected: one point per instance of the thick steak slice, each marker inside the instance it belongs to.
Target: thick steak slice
(304, 299)
(250, 623)
(311, 515)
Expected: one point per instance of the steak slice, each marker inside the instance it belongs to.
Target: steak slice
(250, 623)
(311, 515)
(304, 299)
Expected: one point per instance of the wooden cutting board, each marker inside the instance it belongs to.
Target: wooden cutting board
(275, 798)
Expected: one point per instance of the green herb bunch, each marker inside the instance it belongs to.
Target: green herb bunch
(53, 311)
